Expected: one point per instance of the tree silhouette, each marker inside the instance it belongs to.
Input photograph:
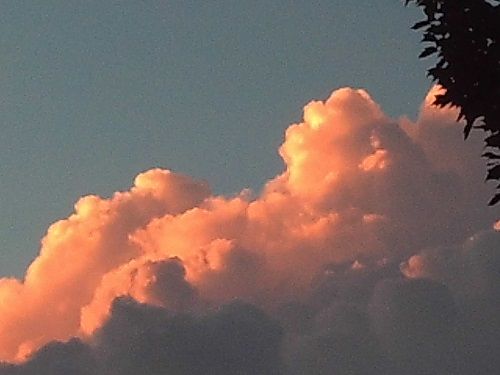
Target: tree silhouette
(464, 36)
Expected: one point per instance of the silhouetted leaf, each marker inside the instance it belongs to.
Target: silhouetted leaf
(491, 155)
(427, 51)
(420, 24)
(467, 128)
(494, 200)
(493, 141)
(441, 100)
(493, 173)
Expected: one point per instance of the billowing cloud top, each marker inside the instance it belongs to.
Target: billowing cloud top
(314, 259)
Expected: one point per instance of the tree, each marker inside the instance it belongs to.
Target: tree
(464, 36)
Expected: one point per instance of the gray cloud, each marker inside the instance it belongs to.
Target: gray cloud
(362, 317)
(234, 339)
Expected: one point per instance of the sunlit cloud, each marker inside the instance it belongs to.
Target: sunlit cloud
(358, 188)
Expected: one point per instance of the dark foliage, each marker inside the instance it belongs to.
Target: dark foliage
(464, 36)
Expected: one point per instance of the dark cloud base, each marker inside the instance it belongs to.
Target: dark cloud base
(362, 318)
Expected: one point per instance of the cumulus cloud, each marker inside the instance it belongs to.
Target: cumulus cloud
(325, 258)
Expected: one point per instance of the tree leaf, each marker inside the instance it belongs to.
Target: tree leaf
(428, 37)
(427, 51)
(493, 173)
(491, 155)
(420, 24)
(493, 140)
(467, 128)
(494, 200)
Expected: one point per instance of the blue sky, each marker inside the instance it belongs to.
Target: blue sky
(94, 92)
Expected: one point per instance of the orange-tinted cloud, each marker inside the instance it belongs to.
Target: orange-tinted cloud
(356, 185)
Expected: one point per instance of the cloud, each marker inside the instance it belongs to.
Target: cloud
(360, 194)
(77, 252)
(471, 272)
(414, 321)
(234, 339)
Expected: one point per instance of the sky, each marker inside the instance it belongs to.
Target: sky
(193, 188)
(95, 92)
